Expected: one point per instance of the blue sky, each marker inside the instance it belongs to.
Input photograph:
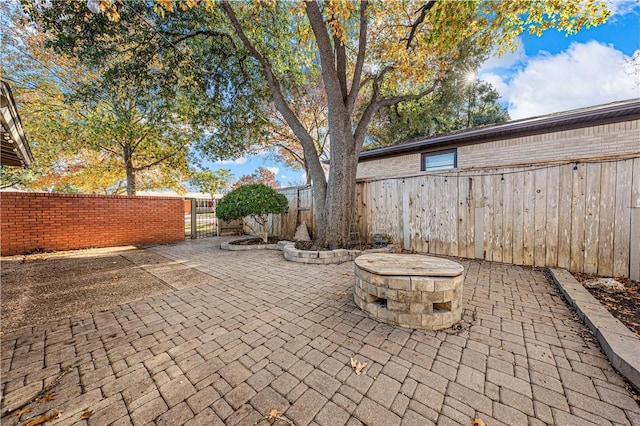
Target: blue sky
(545, 74)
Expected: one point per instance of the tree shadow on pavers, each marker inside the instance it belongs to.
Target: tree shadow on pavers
(39, 288)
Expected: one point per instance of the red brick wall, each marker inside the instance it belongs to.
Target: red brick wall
(42, 221)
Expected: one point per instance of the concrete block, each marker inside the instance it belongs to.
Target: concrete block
(422, 284)
(444, 284)
(392, 305)
(432, 296)
(409, 296)
(398, 282)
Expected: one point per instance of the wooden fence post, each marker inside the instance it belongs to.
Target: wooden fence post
(194, 219)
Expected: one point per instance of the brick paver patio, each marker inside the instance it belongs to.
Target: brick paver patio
(267, 334)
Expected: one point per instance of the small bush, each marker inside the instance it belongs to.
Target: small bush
(257, 201)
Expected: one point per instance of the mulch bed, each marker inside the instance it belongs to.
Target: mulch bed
(256, 241)
(624, 305)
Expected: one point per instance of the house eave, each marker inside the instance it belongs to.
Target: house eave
(585, 117)
(15, 150)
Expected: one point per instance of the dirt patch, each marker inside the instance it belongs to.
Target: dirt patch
(624, 305)
(40, 288)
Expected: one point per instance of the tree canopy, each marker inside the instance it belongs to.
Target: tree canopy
(256, 201)
(89, 130)
(369, 55)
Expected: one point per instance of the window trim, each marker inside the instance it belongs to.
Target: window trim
(425, 154)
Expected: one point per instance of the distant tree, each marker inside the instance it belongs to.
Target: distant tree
(261, 175)
(90, 128)
(16, 177)
(456, 106)
(256, 201)
(212, 182)
(311, 107)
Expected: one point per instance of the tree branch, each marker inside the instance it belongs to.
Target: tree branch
(283, 107)
(208, 33)
(362, 50)
(327, 59)
(341, 66)
(423, 13)
(148, 166)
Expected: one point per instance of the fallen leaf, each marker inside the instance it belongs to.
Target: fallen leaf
(477, 422)
(23, 412)
(274, 413)
(86, 415)
(46, 418)
(47, 398)
(358, 366)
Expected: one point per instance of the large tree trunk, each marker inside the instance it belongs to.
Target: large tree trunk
(341, 188)
(131, 173)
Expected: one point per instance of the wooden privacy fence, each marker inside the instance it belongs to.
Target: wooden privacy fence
(300, 210)
(584, 217)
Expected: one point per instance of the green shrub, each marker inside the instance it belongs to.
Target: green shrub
(256, 201)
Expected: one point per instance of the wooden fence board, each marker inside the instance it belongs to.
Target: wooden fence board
(498, 210)
(606, 219)
(622, 219)
(518, 218)
(540, 216)
(487, 196)
(578, 204)
(448, 227)
(634, 246)
(463, 216)
(551, 221)
(565, 184)
(592, 217)
(528, 231)
(507, 218)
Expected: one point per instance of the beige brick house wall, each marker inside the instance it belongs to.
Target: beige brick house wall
(616, 138)
(391, 166)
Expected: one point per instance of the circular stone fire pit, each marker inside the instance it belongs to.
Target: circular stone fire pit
(409, 290)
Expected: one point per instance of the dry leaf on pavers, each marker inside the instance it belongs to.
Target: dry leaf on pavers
(47, 398)
(358, 366)
(477, 422)
(86, 415)
(275, 414)
(40, 420)
(22, 412)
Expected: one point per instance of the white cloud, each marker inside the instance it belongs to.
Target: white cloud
(238, 161)
(273, 170)
(585, 74)
(507, 60)
(622, 7)
(497, 82)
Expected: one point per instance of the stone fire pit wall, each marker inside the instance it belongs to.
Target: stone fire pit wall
(411, 291)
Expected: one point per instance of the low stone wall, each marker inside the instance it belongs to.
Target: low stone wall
(233, 246)
(323, 257)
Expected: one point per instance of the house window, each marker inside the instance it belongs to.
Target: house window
(439, 160)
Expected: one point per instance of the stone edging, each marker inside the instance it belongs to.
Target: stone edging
(322, 257)
(229, 245)
(621, 346)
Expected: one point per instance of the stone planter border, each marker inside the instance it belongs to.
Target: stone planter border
(323, 257)
(244, 247)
